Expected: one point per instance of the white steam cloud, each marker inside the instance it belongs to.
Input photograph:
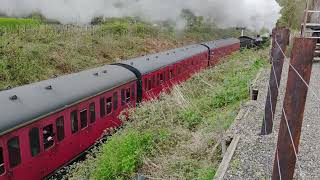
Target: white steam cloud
(253, 14)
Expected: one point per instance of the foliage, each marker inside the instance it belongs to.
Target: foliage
(122, 154)
(292, 13)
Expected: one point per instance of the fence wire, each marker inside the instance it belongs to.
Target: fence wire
(301, 173)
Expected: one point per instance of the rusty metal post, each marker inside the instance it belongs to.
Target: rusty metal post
(294, 105)
(281, 35)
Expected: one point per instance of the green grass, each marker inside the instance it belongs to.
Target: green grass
(17, 22)
(172, 138)
(43, 51)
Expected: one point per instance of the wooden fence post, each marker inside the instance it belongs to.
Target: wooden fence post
(294, 104)
(281, 35)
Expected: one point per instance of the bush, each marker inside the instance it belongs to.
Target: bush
(142, 29)
(116, 28)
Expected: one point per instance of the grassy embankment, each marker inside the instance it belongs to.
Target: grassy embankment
(173, 138)
(44, 51)
(16, 23)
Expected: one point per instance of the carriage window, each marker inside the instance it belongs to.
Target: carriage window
(145, 84)
(171, 74)
(48, 135)
(14, 152)
(115, 101)
(161, 78)
(109, 105)
(74, 121)
(128, 95)
(123, 97)
(102, 107)
(149, 84)
(84, 118)
(153, 81)
(60, 128)
(2, 170)
(158, 79)
(92, 109)
(34, 140)
(133, 92)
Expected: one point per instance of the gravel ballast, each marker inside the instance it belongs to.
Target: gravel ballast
(254, 155)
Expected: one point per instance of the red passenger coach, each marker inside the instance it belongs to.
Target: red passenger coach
(159, 72)
(221, 48)
(47, 124)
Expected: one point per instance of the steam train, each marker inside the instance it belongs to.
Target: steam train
(46, 125)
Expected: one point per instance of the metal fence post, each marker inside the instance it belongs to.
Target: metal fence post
(293, 108)
(281, 35)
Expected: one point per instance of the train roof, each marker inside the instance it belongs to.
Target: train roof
(23, 105)
(150, 63)
(221, 43)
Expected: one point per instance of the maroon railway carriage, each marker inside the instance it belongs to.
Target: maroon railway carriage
(159, 72)
(45, 125)
(221, 48)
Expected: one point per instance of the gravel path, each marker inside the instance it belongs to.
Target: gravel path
(254, 156)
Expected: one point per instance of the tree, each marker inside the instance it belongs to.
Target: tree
(292, 13)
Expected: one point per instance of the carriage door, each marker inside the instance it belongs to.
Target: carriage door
(49, 145)
(85, 128)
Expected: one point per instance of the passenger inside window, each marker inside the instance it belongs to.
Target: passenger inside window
(161, 78)
(128, 95)
(2, 170)
(48, 136)
(92, 109)
(14, 152)
(83, 119)
(171, 74)
(109, 105)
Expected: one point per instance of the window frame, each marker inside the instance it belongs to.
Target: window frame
(53, 137)
(36, 143)
(83, 122)
(102, 103)
(92, 114)
(133, 92)
(109, 105)
(61, 134)
(12, 156)
(123, 97)
(115, 100)
(128, 95)
(73, 124)
(2, 165)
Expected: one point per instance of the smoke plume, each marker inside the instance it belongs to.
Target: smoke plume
(253, 14)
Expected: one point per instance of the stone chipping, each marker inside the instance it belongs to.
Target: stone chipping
(254, 156)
